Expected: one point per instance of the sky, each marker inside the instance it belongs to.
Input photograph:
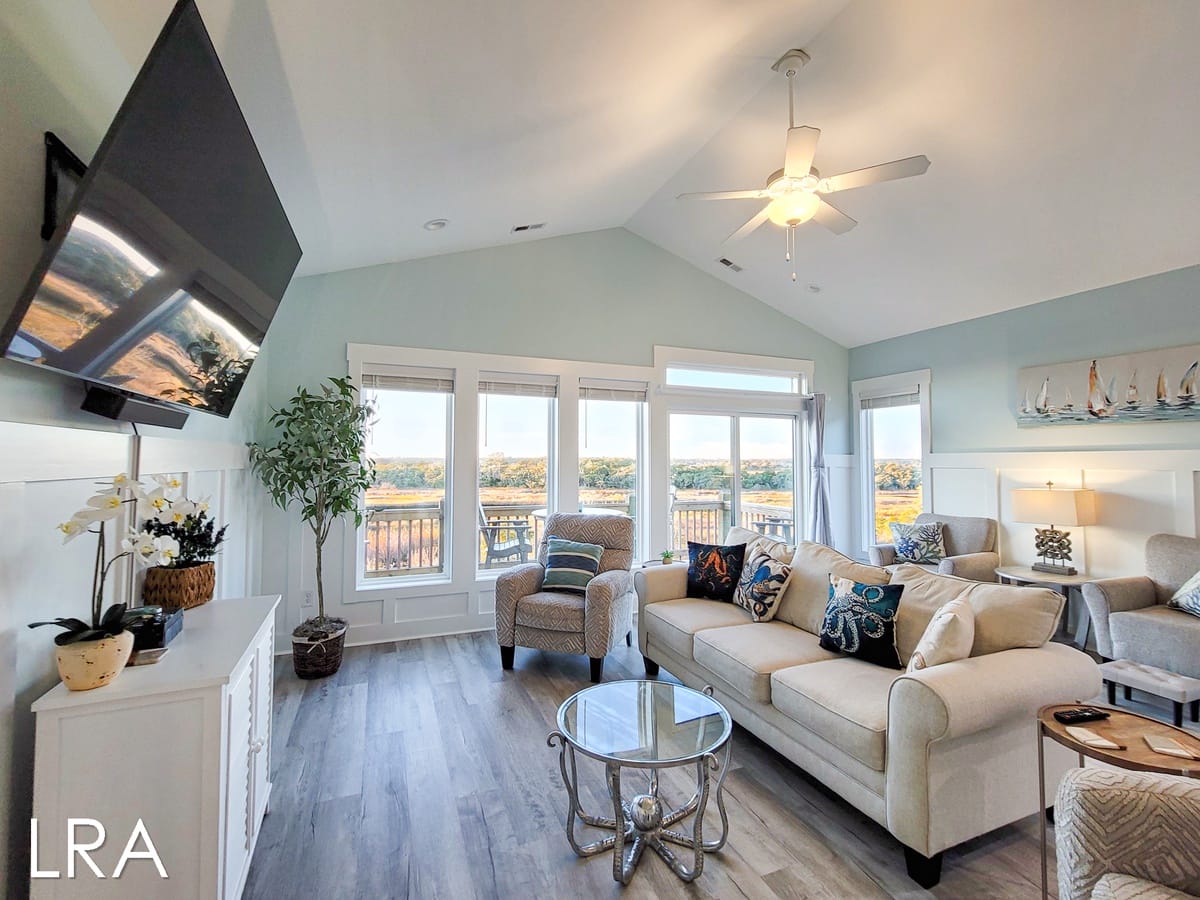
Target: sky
(411, 424)
(897, 432)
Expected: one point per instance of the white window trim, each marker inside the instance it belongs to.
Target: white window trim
(917, 382)
(717, 360)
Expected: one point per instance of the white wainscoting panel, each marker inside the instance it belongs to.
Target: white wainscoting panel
(958, 491)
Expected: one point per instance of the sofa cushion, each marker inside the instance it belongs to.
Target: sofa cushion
(1157, 636)
(744, 656)
(760, 543)
(1006, 617)
(844, 701)
(551, 611)
(807, 594)
(672, 623)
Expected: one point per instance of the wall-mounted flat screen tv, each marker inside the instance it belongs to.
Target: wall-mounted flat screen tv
(162, 278)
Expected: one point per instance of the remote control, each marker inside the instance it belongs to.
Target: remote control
(1080, 715)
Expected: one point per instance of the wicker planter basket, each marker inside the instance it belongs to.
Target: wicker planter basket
(183, 587)
(318, 658)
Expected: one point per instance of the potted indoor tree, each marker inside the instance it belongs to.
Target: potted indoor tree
(191, 577)
(317, 460)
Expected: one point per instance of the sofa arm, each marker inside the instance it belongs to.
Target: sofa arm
(882, 554)
(1110, 595)
(607, 611)
(1126, 823)
(938, 708)
(511, 585)
(975, 566)
(656, 583)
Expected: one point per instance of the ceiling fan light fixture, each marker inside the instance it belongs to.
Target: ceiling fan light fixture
(792, 209)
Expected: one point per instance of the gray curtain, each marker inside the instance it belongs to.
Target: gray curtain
(818, 529)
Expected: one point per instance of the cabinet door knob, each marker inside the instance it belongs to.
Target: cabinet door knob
(257, 746)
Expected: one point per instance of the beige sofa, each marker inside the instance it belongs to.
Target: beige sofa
(936, 757)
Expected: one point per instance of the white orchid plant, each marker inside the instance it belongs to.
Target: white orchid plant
(145, 546)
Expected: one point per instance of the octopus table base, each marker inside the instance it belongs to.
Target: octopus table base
(643, 821)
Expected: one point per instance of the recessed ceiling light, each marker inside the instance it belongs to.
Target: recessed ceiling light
(814, 289)
(436, 224)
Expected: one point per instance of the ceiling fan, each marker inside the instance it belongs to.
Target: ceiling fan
(797, 192)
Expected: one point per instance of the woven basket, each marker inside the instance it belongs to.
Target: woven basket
(317, 659)
(184, 587)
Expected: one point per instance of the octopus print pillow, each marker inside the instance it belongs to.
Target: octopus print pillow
(860, 620)
(713, 570)
(761, 585)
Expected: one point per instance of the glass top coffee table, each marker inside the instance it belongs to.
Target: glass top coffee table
(648, 725)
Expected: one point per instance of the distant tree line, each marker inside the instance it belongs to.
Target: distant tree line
(614, 473)
(898, 475)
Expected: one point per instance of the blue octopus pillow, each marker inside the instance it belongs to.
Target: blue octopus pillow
(860, 620)
(713, 570)
(761, 586)
(918, 543)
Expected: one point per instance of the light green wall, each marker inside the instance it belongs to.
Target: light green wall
(974, 364)
(605, 296)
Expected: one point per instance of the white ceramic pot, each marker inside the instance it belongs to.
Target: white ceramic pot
(87, 665)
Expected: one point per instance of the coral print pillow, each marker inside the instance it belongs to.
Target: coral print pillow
(860, 620)
(918, 543)
(713, 570)
(761, 585)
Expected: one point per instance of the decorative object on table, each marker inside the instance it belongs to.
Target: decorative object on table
(919, 542)
(317, 460)
(714, 570)
(668, 557)
(860, 621)
(191, 578)
(948, 637)
(672, 726)
(1079, 868)
(528, 616)
(1154, 386)
(1132, 615)
(1179, 689)
(570, 565)
(1187, 598)
(153, 627)
(1054, 507)
(90, 654)
(761, 586)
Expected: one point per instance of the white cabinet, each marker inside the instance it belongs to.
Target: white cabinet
(183, 745)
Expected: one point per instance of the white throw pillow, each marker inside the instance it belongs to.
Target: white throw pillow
(948, 636)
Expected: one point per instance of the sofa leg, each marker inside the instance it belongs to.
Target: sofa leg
(1112, 692)
(1128, 691)
(506, 657)
(1178, 714)
(1196, 710)
(597, 668)
(924, 870)
(629, 639)
(651, 667)
(1050, 814)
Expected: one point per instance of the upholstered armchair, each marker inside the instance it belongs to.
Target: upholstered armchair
(1127, 836)
(548, 620)
(970, 547)
(1131, 615)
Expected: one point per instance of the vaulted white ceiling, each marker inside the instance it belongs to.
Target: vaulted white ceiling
(1063, 136)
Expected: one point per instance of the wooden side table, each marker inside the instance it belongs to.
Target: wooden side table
(1125, 728)
(1065, 585)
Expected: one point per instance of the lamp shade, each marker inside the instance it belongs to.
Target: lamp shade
(1047, 506)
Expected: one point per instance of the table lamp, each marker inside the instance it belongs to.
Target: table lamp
(1042, 506)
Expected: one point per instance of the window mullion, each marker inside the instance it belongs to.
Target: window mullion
(735, 498)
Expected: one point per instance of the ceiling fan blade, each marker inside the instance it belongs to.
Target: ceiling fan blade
(833, 218)
(751, 225)
(724, 195)
(900, 168)
(801, 147)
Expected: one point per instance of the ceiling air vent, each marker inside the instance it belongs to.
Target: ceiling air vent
(729, 264)
(521, 229)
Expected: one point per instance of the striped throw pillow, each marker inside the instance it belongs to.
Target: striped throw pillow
(570, 565)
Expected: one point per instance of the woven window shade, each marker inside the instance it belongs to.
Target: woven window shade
(605, 389)
(408, 378)
(912, 398)
(515, 385)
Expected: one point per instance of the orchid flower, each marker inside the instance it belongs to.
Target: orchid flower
(73, 528)
(168, 482)
(176, 512)
(152, 503)
(104, 506)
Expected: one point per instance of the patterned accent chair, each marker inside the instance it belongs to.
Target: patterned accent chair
(970, 547)
(564, 623)
(1127, 836)
(1131, 615)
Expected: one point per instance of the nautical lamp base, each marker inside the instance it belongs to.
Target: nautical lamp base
(1054, 570)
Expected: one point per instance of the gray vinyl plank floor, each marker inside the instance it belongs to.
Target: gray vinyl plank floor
(421, 770)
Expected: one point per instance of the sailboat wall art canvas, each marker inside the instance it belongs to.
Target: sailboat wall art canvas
(1152, 386)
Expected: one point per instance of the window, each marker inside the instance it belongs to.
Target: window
(516, 420)
(732, 469)
(734, 380)
(891, 440)
(611, 426)
(407, 511)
